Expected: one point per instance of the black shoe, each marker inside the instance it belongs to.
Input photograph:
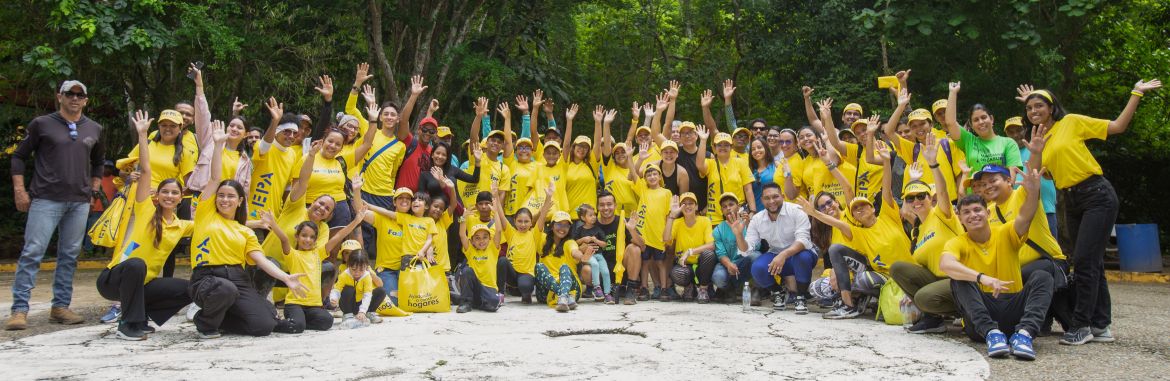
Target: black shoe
(671, 295)
(526, 299)
(463, 308)
(130, 331)
(630, 298)
(146, 328)
(929, 323)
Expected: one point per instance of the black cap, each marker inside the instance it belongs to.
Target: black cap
(483, 196)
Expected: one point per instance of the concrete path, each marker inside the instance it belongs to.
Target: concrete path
(650, 340)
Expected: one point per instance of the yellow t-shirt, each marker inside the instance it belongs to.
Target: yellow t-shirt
(521, 178)
(652, 211)
(390, 242)
(933, 233)
(272, 173)
(885, 242)
(1065, 154)
(220, 241)
(415, 231)
(522, 249)
(483, 262)
(306, 262)
(581, 185)
(490, 169)
(905, 150)
(361, 286)
(725, 177)
(796, 165)
(553, 263)
(379, 175)
(1038, 230)
(292, 213)
(543, 175)
(327, 178)
(689, 237)
(230, 161)
(162, 163)
(140, 243)
(442, 251)
(867, 179)
(998, 257)
(817, 178)
(618, 183)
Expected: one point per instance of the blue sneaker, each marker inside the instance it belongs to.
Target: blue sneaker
(997, 344)
(113, 314)
(1021, 347)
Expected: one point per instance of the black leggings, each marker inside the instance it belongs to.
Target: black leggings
(302, 317)
(1089, 214)
(685, 276)
(229, 302)
(507, 275)
(158, 300)
(349, 303)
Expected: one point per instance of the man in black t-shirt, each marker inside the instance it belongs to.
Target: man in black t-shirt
(610, 223)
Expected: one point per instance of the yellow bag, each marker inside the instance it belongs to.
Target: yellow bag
(105, 230)
(889, 304)
(389, 309)
(423, 288)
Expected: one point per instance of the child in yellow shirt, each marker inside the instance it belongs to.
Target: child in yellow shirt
(357, 291)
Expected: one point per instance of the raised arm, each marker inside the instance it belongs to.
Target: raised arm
(954, 131)
(506, 112)
(302, 184)
(567, 139)
(337, 238)
(705, 100)
(276, 111)
(1140, 89)
(887, 165)
(811, 211)
(942, 199)
(728, 104)
(141, 123)
(891, 126)
(361, 75)
(416, 88)
(830, 128)
(219, 136)
(660, 104)
(674, 213)
(274, 228)
(481, 109)
(643, 154)
(809, 112)
(599, 133)
(372, 109)
(202, 110)
(701, 156)
(672, 102)
(833, 161)
(326, 114)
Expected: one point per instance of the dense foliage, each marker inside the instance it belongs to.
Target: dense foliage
(132, 53)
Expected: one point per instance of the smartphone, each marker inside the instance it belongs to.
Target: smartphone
(198, 65)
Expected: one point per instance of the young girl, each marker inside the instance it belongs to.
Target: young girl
(481, 246)
(357, 285)
(587, 232)
(554, 273)
(519, 265)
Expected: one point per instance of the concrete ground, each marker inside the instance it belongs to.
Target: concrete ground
(649, 340)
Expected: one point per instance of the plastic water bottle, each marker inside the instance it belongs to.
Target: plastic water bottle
(747, 297)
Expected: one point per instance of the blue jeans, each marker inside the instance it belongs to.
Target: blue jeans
(722, 279)
(45, 216)
(390, 284)
(799, 265)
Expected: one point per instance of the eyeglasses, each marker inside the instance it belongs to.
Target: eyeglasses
(73, 130)
(76, 95)
(562, 225)
(917, 197)
(786, 142)
(524, 148)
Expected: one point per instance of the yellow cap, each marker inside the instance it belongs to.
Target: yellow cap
(686, 125)
(668, 144)
(687, 196)
(443, 132)
(553, 144)
(743, 130)
(171, 116)
(650, 166)
(621, 146)
(729, 194)
(722, 137)
(920, 114)
(350, 245)
(858, 201)
(853, 107)
(480, 227)
(526, 141)
(561, 216)
(495, 133)
(640, 129)
(862, 122)
(916, 188)
(939, 104)
(403, 191)
(1013, 121)
(583, 140)
(888, 82)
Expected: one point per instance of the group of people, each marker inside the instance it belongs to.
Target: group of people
(323, 213)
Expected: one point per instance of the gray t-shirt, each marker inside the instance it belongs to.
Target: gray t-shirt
(63, 166)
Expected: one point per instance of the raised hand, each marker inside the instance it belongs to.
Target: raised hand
(551, 189)
(438, 175)
(915, 171)
(481, 106)
(267, 219)
(635, 110)
(315, 147)
(826, 105)
(547, 106)
(648, 110)
(675, 209)
(824, 153)
(416, 85)
(142, 122)
(706, 98)
(196, 74)
(661, 101)
(1032, 179)
(728, 90)
(326, 88)
(434, 106)
(538, 99)
(1038, 140)
(1142, 86)
(806, 91)
(644, 151)
(373, 112)
(930, 150)
(368, 94)
(882, 152)
(218, 132)
(238, 107)
(903, 97)
(902, 75)
(702, 131)
(805, 206)
(598, 113)
(356, 184)
(672, 90)
(362, 75)
(276, 110)
(504, 110)
(1022, 92)
(632, 222)
(955, 86)
(872, 124)
(739, 223)
(571, 112)
(522, 103)
(610, 115)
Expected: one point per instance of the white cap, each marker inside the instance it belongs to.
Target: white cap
(68, 85)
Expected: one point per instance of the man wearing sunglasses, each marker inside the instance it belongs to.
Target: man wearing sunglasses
(67, 159)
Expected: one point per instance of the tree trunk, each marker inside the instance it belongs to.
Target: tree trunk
(374, 29)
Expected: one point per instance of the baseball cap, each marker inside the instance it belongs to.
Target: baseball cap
(686, 196)
(722, 137)
(583, 140)
(727, 195)
(939, 104)
(429, 120)
(621, 146)
(858, 201)
(350, 245)
(70, 84)
(1013, 121)
(443, 132)
(171, 116)
(553, 144)
(642, 128)
(526, 141)
(480, 227)
(403, 191)
(917, 188)
(650, 166)
(561, 216)
(685, 125)
(743, 130)
(853, 107)
(668, 144)
(920, 114)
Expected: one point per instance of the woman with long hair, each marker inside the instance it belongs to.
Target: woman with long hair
(981, 144)
(556, 271)
(762, 162)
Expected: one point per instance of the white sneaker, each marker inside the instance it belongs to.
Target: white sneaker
(191, 310)
(373, 318)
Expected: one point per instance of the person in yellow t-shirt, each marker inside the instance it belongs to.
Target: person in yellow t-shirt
(222, 245)
(358, 292)
(934, 223)
(653, 206)
(332, 166)
(276, 163)
(481, 246)
(984, 264)
(868, 176)
(524, 237)
(948, 156)
(1091, 203)
(441, 209)
(400, 235)
(691, 236)
(132, 277)
(306, 311)
(725, 174)
(582, 160)
(556, 272)
(616, 164)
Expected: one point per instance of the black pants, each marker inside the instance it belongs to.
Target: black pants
(183, 211)
(261, 281)
(507, 275)
(369, 234)
(848, 261)
(158, 300)
(1090, 211)
(229, 302)
(474, 292)
(983, 312)
(1060, 309)
(304, 317)
(684, 276)
(349, 303)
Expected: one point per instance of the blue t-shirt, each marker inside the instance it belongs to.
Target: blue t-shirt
(1047, 187)
(762, 177)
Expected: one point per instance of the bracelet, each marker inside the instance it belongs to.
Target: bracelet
(933, 166)
(832, 166)
(1138, 94)
(979, 278)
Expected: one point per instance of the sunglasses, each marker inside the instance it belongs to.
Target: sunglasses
(75, 95)
(73, 130)
(917, 197)
(562, 225)
(786, 142)
(430, 131)
(827, 206)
